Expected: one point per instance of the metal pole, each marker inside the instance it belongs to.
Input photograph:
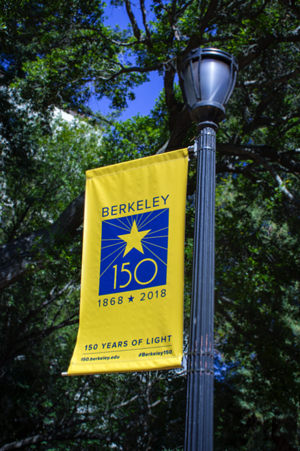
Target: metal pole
(200, 369)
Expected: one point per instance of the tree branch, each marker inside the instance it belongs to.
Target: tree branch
(255, 152)
(263, 44)
(208, 15)
(290, 4)
(135, 28)
(276, 81)
(25, 254)
(128, 70)
(62, 432)
(33, 338)
(250, 153)
(143, 9)
(180, 129)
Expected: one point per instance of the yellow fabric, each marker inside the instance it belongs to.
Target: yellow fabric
(131, 307)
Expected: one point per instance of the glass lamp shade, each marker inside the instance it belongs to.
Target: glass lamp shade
(207, 80)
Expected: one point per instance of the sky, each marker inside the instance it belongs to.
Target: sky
(148, 92)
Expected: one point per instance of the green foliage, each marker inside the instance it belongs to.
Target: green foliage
(122, 142)
(258, 309)
(38, 311)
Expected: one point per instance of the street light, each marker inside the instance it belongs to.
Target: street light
(207, 78)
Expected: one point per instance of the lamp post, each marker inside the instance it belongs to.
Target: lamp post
(207, 77)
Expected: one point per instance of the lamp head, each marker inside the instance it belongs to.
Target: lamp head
(207, 78)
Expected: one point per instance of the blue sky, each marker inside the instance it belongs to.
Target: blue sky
(147, 93)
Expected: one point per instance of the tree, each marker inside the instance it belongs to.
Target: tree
(49, 53)
(263, 37)
(38, 406)
(257, 307)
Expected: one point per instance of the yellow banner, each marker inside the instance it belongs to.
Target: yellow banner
(131, 307)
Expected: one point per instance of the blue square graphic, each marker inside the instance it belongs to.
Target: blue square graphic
(134, 252)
